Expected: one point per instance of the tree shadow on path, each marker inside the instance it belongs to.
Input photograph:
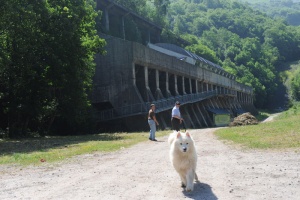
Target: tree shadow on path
(201, 191)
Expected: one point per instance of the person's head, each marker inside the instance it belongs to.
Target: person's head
(177, 103)
(152, 106)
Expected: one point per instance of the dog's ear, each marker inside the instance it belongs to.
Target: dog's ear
(178, 135)
(187, 134)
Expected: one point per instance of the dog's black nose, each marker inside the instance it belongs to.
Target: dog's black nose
(184, 149)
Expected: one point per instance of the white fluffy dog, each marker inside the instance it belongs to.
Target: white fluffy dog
(183, 156)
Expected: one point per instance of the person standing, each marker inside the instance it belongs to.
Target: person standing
(152, 122)
(176, 119)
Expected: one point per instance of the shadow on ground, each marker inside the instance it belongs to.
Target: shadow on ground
(10, 147)
(201, 191)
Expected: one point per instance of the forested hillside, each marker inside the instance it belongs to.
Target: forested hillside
(288, 10)
(247, 43)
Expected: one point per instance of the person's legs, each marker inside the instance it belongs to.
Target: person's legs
(175, 124)
(152, 129)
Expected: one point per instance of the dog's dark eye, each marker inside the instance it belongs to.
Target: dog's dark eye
(180, 143)
(187, 143)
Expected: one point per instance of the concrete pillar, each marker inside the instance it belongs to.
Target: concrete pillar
(123, 27)
(176, 87)
(157, 78)
(149, 36)
(183, 86)
(167, 85)
(190, 82)
(158, 93)
(150, 97)
(106, 19)
(133, 74)
(146, 76)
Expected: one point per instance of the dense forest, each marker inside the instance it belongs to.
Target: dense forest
(247, 43)
(287, 10)
(47, 53)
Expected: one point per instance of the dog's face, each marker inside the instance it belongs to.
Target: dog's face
(184, 141)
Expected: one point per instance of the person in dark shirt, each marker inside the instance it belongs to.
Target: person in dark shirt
(152, 122)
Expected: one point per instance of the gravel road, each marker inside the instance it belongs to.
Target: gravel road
(144, 172)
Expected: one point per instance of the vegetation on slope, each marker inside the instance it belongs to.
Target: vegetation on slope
(287, 10)
(281, 133)
(247, 43)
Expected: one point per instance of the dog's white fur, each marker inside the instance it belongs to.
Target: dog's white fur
(183, 157)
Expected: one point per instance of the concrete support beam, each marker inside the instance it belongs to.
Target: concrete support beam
(158, 93)
(106, 19)
(167, 85)
(188, 116)
(201, 114)
(190, 84)
(150, 97)
(123, 27)
(176, 86)
(149, 37)
(183, 86)
(196, 116)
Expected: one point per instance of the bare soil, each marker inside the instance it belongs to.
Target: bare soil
(144, 172)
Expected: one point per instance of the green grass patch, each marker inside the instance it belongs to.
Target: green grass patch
(52, 149)
(262, 115)
(283, 132)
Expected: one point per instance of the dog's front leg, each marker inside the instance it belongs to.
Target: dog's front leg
(190, 180)
(183, 180)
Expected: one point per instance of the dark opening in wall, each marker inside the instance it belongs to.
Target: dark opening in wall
(163, 83)
(180, 85)
(172, 84)
(152, 80)
(187, 86)
(140, 81)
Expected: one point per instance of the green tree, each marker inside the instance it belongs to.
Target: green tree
(295, 85)
(203, 51)
(48, 64)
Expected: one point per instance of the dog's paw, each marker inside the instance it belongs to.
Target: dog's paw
(189, 188)
(183, 185)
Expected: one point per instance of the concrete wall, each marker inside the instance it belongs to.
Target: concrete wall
(131, 76)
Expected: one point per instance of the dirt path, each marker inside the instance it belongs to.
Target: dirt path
(271, 117)
(144, 172)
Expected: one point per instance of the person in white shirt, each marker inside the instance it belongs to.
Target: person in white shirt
(176, 119)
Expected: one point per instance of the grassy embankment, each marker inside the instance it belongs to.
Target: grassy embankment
(52, 149)
(281, 133)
